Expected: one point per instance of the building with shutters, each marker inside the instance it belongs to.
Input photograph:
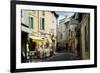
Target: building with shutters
(38, 28)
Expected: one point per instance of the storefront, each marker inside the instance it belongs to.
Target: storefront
(24, 37)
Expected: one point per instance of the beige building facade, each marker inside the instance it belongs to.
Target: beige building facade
(38, 28)
(73, 23)
(85, 36)
(63, 30)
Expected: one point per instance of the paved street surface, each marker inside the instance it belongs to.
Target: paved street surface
(62, 57)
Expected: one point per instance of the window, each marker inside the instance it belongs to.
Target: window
(43, 13)
(21, 13)
(42, 23)
(31, 22)
(61, 36)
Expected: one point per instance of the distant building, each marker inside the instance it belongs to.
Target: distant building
(73, 23)
(63, 31)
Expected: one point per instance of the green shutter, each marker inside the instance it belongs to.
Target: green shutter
(31, 22)
(43, 23)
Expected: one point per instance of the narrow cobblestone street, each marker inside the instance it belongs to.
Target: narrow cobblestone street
(62, 56)
(58, 56)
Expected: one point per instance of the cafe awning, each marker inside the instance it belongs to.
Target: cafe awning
(37, 39)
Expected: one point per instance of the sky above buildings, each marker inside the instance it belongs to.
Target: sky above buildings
(62, 14)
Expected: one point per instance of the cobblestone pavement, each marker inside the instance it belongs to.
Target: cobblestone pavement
(63, 56)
